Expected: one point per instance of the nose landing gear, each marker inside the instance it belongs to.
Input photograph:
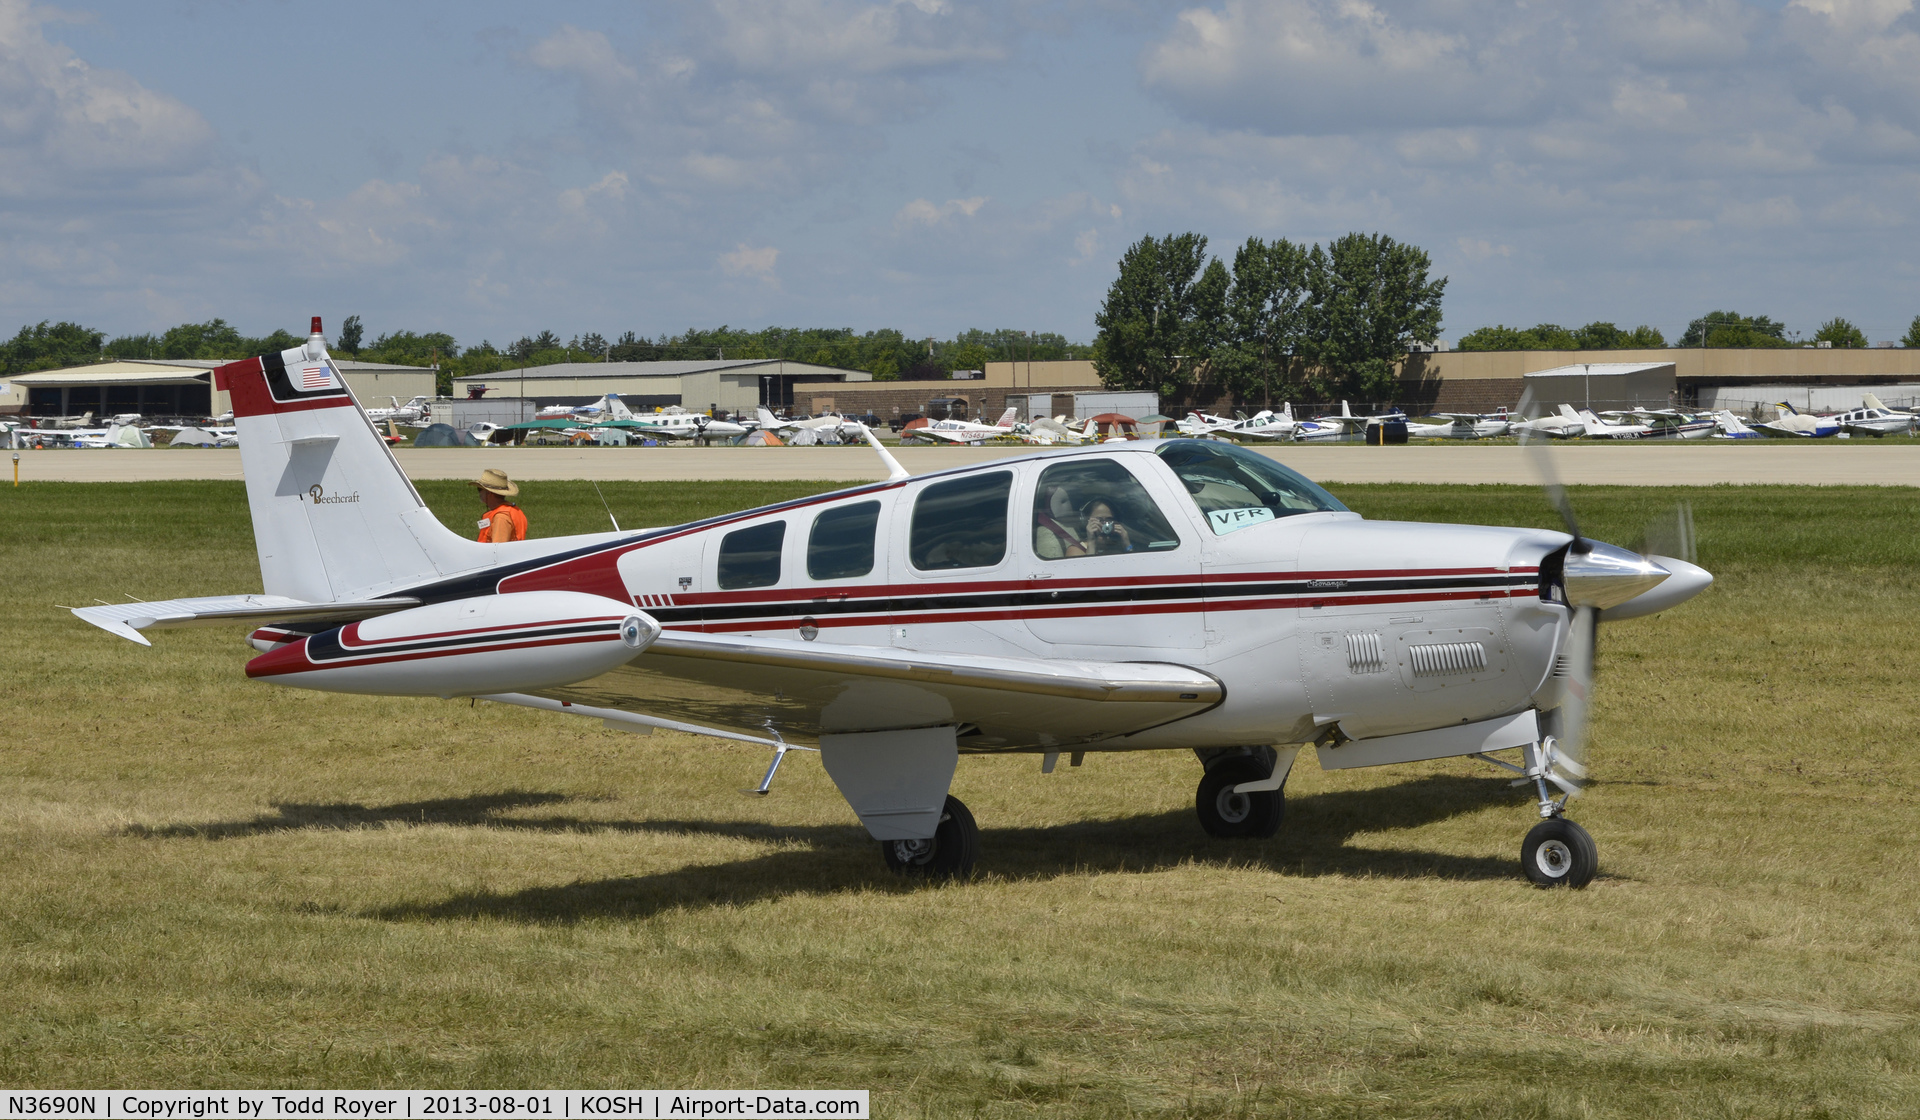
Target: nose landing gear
(1559, 853)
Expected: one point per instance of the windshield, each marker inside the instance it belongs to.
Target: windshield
(1236, 488)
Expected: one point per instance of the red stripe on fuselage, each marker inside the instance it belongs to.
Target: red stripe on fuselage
(293, 658)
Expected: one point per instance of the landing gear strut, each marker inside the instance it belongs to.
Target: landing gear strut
(948, 854)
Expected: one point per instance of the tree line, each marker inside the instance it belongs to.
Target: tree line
(886, 354)
(1715, 330)
(1285, 320)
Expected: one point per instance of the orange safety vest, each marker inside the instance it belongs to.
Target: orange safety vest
(511, 513)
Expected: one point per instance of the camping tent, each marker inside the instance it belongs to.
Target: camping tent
(444, 435)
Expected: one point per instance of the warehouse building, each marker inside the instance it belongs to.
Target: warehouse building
(734, 387)
(177, 389)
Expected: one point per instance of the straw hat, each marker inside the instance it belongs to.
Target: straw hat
(495, 480)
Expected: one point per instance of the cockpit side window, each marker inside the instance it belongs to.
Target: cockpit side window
(1236, 488)
(1095, 507)
(750, 557)
(961, 523)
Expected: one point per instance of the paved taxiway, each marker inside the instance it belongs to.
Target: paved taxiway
(1895, 462)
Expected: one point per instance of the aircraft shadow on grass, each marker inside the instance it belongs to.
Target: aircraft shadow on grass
(820, 859)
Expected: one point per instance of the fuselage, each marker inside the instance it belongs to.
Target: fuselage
(1311, 617)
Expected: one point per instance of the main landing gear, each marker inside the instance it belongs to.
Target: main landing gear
(949, 854)
(1559, 853)
(1231, 813)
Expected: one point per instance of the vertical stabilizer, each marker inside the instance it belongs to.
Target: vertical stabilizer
(1008, 417)
(334, 516)
(617, 409)
(1872, 401)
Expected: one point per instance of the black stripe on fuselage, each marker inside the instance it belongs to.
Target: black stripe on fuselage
(1202, 593)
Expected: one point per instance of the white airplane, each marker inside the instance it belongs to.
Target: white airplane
(1792, 422)
(676, 425)
(1264, 425)
(1054, 432)
(824, 428)
(1199, 423)
(1464, 425)
(1732, 427)
(1670, 423)
(608, 407)
(413, 413)
(1564, 424)
(1183, 595)
(1597, 428)
(1342, 426)
(966, 431)
(1875, 419)
(114, 435)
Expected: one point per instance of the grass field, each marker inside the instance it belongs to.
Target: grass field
(210, 882)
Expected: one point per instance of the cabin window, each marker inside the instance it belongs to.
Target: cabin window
(961, 523)
(751, 557)
(1095, 507)
(1236, 488)
(841, 544)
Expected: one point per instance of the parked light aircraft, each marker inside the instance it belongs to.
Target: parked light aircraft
(1199, 423)
(1172, 594)
(1597, 428)
(1670, 423)
(1732, 427)
(1344, 425)
(1874, 418)
(1792, 422)
(1053, 432)
(1564, 424)
(413, 413)
(966, 431)
(1264, 425)
(823, 427)
(676, 425)
(1464, 425)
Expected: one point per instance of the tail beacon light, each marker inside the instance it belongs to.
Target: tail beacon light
(490, 643)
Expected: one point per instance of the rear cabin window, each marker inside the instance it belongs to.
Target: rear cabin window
(1095, 507)
(962, 523)
(751, 557)
(841, 544)
(1236, 488)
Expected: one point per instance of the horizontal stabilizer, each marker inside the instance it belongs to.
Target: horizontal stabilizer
(128, 619)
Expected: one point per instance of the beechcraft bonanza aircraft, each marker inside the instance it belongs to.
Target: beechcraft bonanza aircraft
(1163, 595)
(966, 431)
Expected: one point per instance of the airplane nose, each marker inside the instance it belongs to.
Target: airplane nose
(1686, 581)
(1606, 575)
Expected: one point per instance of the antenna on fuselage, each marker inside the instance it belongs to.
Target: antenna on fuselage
(608, 508)
(895, 472)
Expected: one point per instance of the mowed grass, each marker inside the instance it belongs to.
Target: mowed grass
(210, 882)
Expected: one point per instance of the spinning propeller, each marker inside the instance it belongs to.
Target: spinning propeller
(1600, 581)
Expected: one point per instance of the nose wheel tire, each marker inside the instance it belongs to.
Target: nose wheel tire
(1559, 853)
(948, 854)
(1238, 816)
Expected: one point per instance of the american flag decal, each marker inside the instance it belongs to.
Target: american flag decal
(315, 377)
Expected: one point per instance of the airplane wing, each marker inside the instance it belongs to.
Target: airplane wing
(953, 436)
(807, 688)
(128, 619)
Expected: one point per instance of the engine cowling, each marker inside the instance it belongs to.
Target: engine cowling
(489, 643)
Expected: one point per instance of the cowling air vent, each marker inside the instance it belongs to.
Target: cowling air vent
(1366, 653)
(1562, 667)
(1445, 659)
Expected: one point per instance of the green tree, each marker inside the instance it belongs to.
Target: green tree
(1267, 313)
(1372, 300)
(405, 348)
(1731, 330)
(1842, 334)
(50, 346)
(350, 334)
(214, 338)
(1162, 314)
(132, 346)
(1596, 335)
(1912, 340)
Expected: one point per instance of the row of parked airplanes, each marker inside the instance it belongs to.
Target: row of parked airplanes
(1872, 418)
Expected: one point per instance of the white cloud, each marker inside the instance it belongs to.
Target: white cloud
(744, 260)
(921, 212)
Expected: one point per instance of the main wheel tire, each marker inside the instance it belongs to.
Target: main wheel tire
(1559, 853)
(949, 854)
(1238, 816)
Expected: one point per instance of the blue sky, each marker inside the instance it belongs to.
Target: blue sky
(493, 170)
